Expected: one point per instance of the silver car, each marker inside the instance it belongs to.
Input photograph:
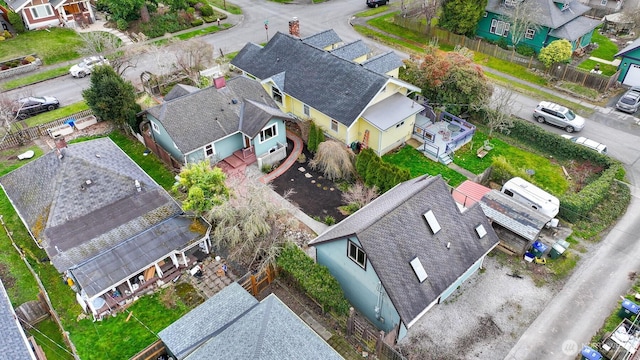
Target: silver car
(558, 115)
(630, 101)
(84, 68)
(591, 144)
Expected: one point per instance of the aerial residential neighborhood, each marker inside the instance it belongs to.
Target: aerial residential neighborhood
(319, 179)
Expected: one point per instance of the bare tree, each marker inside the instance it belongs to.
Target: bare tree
(121, 57)
(523, 18)
(498, 110)
(418, 8)
(7, 112)
(359, 195)
(251, 225)
(193, 56)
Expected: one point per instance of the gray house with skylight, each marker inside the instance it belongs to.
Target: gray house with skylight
(405, 252)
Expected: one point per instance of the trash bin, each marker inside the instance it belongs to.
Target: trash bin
(628, 309)
(590, 354)
(556, 251)
(538, 249)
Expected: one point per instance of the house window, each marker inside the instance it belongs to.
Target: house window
(268, 133)
(276, 94)
(530, 34)
(603, 2)
(41, 11)
(334, 125)
(400, 124)
(155, 127)
(356, 254)
(305, 109)
(499, 27)
(208, 150)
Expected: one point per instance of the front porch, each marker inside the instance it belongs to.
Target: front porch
(440, 136)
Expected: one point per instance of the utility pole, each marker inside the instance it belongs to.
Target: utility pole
(266, 28)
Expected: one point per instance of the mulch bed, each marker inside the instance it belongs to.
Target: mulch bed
(315, 195)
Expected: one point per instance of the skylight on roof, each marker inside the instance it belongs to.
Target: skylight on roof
(432, 221)
(481, 231)
(418, 269)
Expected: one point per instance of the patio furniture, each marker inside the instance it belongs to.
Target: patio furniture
(453, 127)
(484, 150)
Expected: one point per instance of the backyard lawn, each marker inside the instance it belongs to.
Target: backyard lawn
(52, 46)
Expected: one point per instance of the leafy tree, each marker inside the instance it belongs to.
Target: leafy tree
(334, 160)
(462, 16)
(559, 51)
(205, 187)
(16, 22)
(252, 226)
(449, 79)
(111, 97)
(312, 142)
(127, 10)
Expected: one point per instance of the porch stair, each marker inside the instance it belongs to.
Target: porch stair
(445, 159)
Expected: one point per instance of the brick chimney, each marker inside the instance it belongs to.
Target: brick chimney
(61, 144)
(294, 27)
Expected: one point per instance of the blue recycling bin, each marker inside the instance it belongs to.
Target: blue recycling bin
(628, 309)
(538, 249)
(590, 354)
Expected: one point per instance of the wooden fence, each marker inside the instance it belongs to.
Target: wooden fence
(566, 72)
(151, 352)
(24, 135)
(254, 284)
(368, 335)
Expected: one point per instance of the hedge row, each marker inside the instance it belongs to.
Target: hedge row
(574, 205)
(313, 279)
(375, 172)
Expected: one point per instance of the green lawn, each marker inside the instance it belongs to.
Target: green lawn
(227, 6)
(418, 164)
(48, 336)
(606, 69)
(52, 46)
(32, 79)
(606, 48)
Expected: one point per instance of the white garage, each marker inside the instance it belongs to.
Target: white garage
(633, 76)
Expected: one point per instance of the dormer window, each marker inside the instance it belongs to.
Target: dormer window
(276, 94)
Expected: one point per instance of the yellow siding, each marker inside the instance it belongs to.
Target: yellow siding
(394, 73)
(395, 136)
(389, 90)
(360, 59)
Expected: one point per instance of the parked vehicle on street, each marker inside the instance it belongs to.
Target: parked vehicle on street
(376, 3)
(554, 114)
(34, 105)
(630, 101)
(591, 144)
(84, 68)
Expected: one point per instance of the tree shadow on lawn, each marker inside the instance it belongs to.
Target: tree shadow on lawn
(314, 195)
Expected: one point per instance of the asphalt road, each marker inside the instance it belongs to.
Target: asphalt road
(592, 292)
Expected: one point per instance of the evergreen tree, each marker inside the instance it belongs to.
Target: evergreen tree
(462, 16)
(111, 97)
(312, 142)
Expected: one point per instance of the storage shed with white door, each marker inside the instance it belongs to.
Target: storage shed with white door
(630, 64)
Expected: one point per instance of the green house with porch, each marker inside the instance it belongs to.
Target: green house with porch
(556, 20)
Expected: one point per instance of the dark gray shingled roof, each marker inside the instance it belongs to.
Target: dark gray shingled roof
(322, 39)
(180, 90)
(220, 327)
(548, 13)
(392, 231)
(575, 29)
(339, 88)
(12, 338)
(351, 50)
(383, 63)
(76, 225)
(204, 116)
(512, 215)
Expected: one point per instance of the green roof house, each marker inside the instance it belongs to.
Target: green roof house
(556, 20)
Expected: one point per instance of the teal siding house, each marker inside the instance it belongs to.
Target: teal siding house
(233, 121)
(556, 19)
(405, 252)
(630, 64)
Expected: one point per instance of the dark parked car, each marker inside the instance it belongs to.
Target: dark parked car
(630, 101)
(376, 3)
(33, 105)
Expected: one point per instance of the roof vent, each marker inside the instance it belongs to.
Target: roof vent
(432, 221)
(418, 269)
(234, 101)
(480, 230)
(86, 184)
(138, 187)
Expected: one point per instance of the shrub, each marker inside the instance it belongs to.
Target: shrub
(16, 22)
(312, 142)
(313, 279)
(122, 24)
(525, 50)
(334, 160)
(210, 19)
(557, 51)
(29, 58)
(7, 34)
(329, 220)
(502, 42)
(206, 10)
(102, 6)
(2, 38)
(197, 22)
(167, 23)
(375, 172)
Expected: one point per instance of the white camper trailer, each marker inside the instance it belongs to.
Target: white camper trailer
(530, 195)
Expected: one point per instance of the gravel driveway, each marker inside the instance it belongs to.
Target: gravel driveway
(485, 316)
